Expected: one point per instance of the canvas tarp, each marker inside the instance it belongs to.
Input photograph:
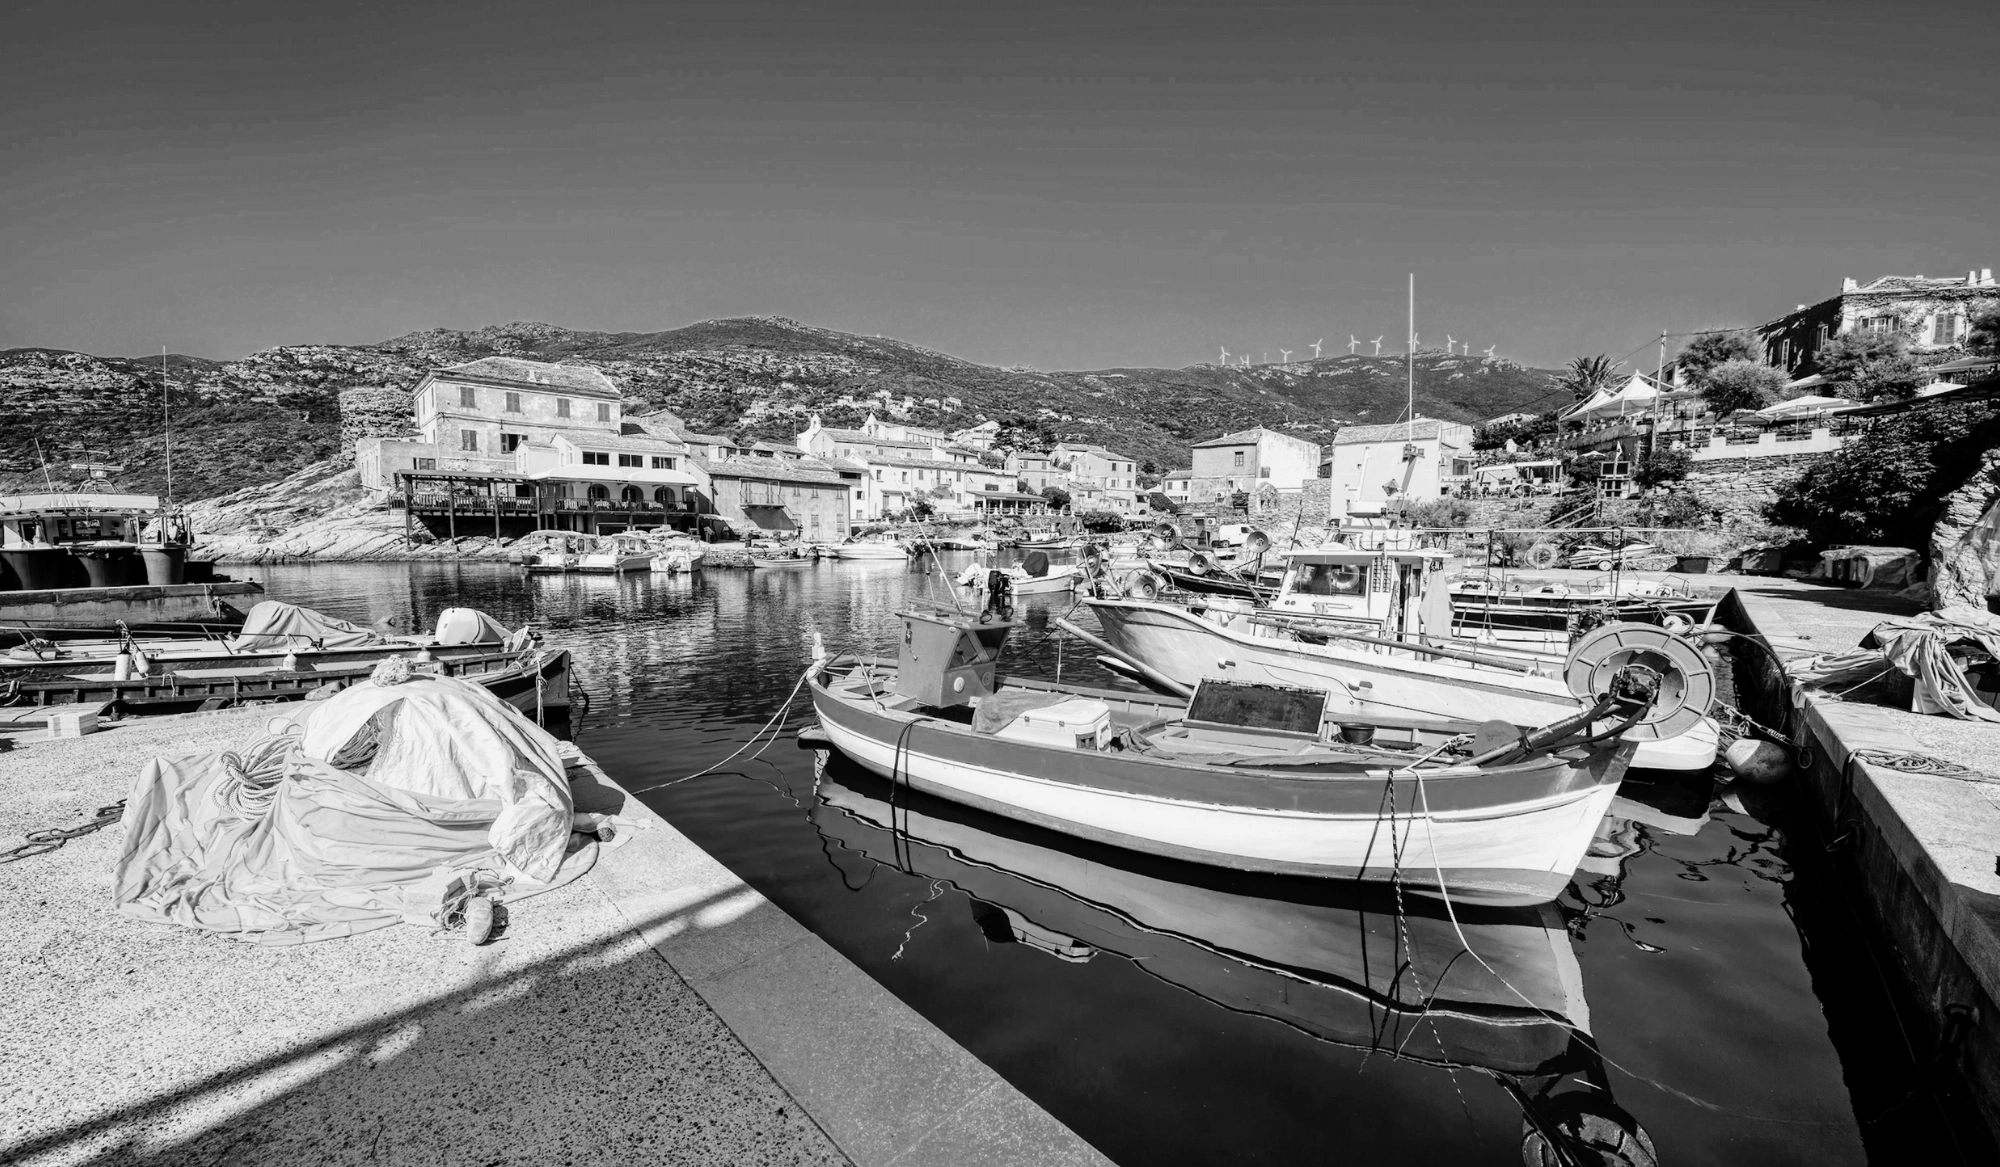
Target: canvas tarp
(342, 820)
(275, 625)
(1918, 647)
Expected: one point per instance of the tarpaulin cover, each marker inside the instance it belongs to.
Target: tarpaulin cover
(274, 625)
(1916, 646)
(470, 626)
(338, 824)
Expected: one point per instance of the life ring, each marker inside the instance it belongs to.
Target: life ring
(1543, 556)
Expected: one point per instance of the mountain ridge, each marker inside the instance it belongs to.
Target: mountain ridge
(263, 416)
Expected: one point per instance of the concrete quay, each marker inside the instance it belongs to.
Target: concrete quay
(656, 1010)
(1920, 849)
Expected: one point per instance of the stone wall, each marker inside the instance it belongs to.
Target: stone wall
(373, 411)
(1740, 487)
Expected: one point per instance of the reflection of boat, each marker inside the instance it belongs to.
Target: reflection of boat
(1259, 778)
(1495, 990)
(1371, 626)
(1320, 957)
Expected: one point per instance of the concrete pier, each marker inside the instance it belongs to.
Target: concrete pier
(656, 1010)
(1921, 849)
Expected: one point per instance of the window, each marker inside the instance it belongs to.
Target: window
(423, 463)
(660, 463)
(468, 439)
(562, 407)
(511, 442)
(467, 396)
(1238, 463)
(1878, 324)
(664, 496)
(596, 458)
(632, 494)
(1944, 329)
(632, 460)
(513, 403)
(598, 493)
(1263, 472)
(604, 411)
(1332, 579)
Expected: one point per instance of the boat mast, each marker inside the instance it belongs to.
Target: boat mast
(167, 423)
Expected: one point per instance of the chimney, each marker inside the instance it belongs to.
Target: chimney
(1848, 285)
(1986, 276)
(1971, 279)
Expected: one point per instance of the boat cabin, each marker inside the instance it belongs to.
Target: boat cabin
(1396, 594)
(50, 541)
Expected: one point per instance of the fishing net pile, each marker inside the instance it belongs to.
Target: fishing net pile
(1944, 653)
(351, 815)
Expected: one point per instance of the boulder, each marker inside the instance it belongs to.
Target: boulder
(1965, 543)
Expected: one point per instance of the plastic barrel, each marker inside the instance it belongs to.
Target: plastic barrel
(110, 565)
(38, 566)
(165, 564)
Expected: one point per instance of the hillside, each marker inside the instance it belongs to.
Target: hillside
(258, 419)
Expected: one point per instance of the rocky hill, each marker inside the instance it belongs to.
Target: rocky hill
(262, 418)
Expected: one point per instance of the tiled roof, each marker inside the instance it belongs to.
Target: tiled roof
(768, 470)
(1100, 451)
(710, 440)
(650, 443)
(1423, 427)
(538, 374)
(935, 464)
(1239, 438)
(1171, 474)
(856, 437)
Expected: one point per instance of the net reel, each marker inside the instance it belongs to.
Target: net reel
(1613, 655)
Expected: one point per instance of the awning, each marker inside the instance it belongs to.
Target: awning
(1634, 396)
(579, 472)
(1803, 406)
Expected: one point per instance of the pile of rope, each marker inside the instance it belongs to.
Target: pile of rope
(52, 838)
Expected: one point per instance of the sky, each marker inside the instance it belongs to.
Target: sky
(1070, 185)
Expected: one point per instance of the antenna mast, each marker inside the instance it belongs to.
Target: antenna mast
(1410, 424)
(167, 423)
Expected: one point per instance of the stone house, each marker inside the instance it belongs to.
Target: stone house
(1036, 469)
(1089, 470)
(781, 496)
(1249, 459)
(1934, 313)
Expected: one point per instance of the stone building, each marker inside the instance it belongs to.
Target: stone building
(1413, 461)
(1934, 313)
(1249, 459)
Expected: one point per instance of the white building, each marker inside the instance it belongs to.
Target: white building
(1375, 464)
(1177, 485)
(1250, 459)
(1100, 479)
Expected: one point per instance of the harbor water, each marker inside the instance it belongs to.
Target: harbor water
(1701, 995)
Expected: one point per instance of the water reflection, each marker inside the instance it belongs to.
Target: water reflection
(1497, 991)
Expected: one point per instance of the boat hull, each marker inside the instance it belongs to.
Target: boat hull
(868, 551)
(1188, 649)
(1513, 846)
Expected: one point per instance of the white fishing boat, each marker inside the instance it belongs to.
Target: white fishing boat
(676, 554)
(615, 555)
(1370, 627)
(871, 548)
(1270, 778)
(1036, 576)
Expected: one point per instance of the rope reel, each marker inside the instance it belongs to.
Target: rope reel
(1256, 543)
(1687, 680)
(1140, 585)
(1543, 556)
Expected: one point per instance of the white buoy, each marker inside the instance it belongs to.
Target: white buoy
(121, 666)
(1758, 761)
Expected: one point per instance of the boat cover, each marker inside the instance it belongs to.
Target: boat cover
(274, 624)
(472, 626)
(1916, 646)
(349, 818)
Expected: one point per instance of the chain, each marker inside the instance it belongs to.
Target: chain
(51, 839)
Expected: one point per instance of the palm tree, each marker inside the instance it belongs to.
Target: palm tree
(1586, 375)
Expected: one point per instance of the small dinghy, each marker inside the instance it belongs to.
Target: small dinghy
(1260, 777)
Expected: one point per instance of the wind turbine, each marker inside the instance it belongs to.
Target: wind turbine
(1351, 344)
(1377, 342)
(1489, 350)
(1450, 345)
(1414, 337)
(1315, 347)
(1224, 358)
(1286, 354)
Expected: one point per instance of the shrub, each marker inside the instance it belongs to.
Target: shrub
(1441, 512)
(1057, 497)
(1736, 385)
(1662, 467)
(1101, 522)
(1890, 480)
(1676, 508)
(1711, 350)
(1984, 336)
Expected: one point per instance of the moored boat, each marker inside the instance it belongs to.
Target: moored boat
(868, 549)
(1260, 777)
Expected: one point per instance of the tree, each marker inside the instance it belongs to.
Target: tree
(1888, 483)
(1586, 375)
(1866, 366)
(1735, 385)
(1984, 337)
(920, 509)
(1710, 350)
(1662, 467)
(1057, 497)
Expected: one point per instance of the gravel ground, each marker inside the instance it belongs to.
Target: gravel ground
(567, 1040)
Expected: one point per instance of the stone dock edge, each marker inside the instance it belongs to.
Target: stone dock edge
(1921, 849)
(885, 1084)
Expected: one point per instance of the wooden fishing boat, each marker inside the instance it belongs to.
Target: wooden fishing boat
(868, 549)
(1371, 627)
(769, 562)
(1257, 777)
(286, 653)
